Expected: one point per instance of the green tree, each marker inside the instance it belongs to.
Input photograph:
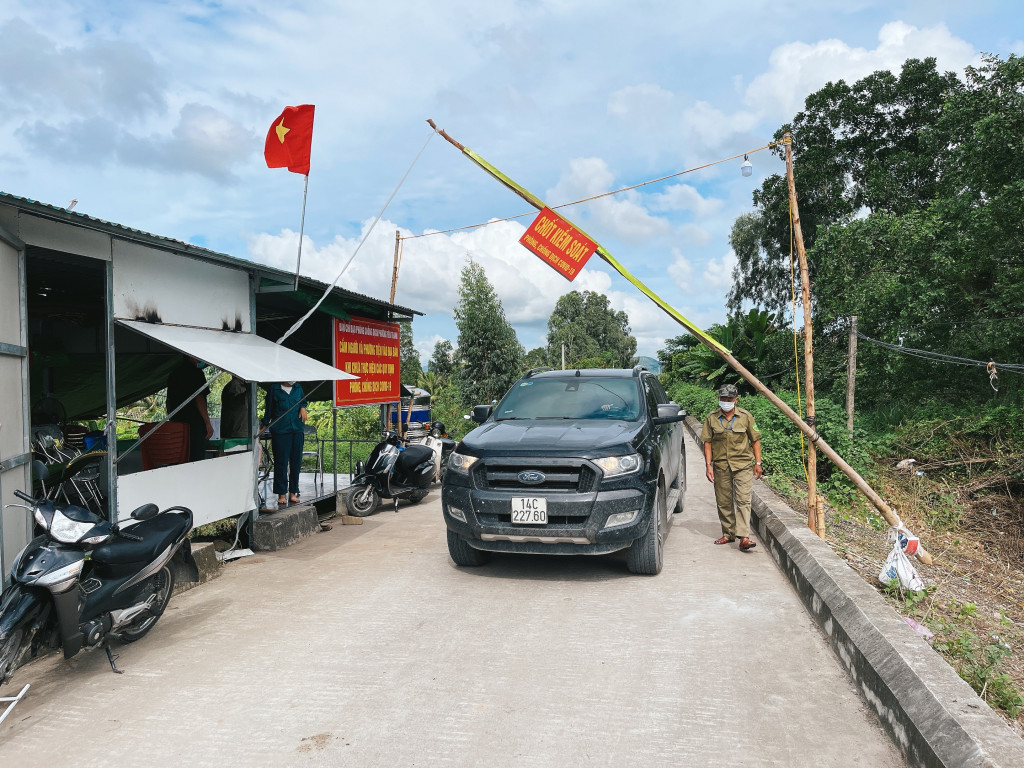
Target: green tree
(594, 334)
(536, 358)
(490, 357)
(442, 362)
(911, 194)
(411, 366)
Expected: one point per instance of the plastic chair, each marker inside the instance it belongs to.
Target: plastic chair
(74, 436)
(167, 445)
(317, 454)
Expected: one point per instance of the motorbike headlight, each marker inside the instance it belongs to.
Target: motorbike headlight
(616, 466)
(66, 530)
(461, 463)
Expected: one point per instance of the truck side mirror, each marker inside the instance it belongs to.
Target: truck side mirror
(481, 412)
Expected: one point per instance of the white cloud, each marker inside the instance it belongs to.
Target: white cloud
(798, 69)
(718, 272)
(683, 197)
(623, 215)
(681, 271)
(646, 104)
(426, 346)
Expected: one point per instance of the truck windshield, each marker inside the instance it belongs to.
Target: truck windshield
(571, 398)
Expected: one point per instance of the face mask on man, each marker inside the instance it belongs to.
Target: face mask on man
(725, 405)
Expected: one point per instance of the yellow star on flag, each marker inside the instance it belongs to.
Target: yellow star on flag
(281, 130)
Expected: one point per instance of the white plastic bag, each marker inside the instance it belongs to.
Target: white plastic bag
(898, 566)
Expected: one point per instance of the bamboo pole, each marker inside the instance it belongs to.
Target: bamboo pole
(887, 512)
(805, 292)
(394, 268)
(851, 373)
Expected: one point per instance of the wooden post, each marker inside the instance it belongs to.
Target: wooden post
(851, 374)
(394, 268)
(805, 290)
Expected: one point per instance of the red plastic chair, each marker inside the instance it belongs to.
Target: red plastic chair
(167, 445)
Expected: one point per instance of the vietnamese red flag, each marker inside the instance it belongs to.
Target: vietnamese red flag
(290, 138)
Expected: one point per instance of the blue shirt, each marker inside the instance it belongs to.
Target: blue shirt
(278, 403)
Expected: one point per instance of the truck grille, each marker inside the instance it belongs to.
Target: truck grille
(568, 475)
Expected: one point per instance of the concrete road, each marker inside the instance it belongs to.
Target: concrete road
(366, 646)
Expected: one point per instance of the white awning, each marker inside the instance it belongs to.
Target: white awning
(246, 355)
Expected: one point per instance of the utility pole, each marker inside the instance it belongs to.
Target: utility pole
(394, 269)
(563, 355)
(851, 373)
(815, 515)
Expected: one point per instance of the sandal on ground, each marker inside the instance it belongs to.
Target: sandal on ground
(282, 501)
(746, 544)
(724, 540)
(294, 499)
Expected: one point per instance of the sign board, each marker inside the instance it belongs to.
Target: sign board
(560, 245)
(368, 349)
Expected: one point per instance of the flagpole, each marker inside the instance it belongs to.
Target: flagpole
(302, 227)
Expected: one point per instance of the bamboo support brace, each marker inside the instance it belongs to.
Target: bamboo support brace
(887, 512)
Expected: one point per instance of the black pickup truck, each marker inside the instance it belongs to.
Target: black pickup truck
(569, 462)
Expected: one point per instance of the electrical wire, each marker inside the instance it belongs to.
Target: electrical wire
(301, 320)
(597, 197)
(939, 357)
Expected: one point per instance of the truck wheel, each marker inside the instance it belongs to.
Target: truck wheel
(362, 501)
(463, 554)
(680, 501)
(645, 555)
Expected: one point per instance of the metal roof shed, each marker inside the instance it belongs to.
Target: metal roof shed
(96, 313)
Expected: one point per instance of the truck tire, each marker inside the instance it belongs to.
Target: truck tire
(646, 555)
(463, 554)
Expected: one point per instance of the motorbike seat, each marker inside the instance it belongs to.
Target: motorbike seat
(412, 457)
(157, 534)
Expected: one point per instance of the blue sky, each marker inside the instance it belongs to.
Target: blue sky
(153, 115)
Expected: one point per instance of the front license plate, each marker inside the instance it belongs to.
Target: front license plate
(529, 510)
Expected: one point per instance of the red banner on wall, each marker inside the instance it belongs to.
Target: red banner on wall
(368, 349)
(558, 243)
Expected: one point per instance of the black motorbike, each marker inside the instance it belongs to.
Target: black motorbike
(392, 471)
(84, 580)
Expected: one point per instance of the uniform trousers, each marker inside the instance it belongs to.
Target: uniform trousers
(732, 495)
(287, 461)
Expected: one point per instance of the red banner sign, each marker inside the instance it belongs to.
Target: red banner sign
(368, 349)
(563, 247)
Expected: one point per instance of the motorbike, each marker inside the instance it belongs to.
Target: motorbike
(392, 471)
(84, 580)
(436, 439)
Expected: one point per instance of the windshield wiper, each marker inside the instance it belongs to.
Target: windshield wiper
(512, 418)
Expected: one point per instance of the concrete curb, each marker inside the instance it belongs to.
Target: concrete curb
(205, 555)
(284, 527)
(933, 716)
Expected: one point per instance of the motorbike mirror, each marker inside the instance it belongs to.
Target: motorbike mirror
(146, 512)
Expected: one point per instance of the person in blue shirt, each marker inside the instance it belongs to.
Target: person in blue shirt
(285, 413)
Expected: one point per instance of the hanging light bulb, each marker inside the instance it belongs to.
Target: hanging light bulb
(747, 168)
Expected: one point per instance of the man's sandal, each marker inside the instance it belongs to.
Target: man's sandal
(746, 544)
(724, 540)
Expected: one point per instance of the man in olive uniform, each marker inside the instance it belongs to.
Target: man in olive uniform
(732, 453)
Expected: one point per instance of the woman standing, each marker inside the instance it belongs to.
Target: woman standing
(285, 412)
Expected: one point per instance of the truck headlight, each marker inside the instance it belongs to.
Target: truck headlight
(461, 463)
(615, 466)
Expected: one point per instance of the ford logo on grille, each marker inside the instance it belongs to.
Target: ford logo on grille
(531, 478)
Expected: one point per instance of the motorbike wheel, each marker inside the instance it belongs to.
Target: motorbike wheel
(162, 586)
(12, 653)
(417, 496)
(362, 501)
